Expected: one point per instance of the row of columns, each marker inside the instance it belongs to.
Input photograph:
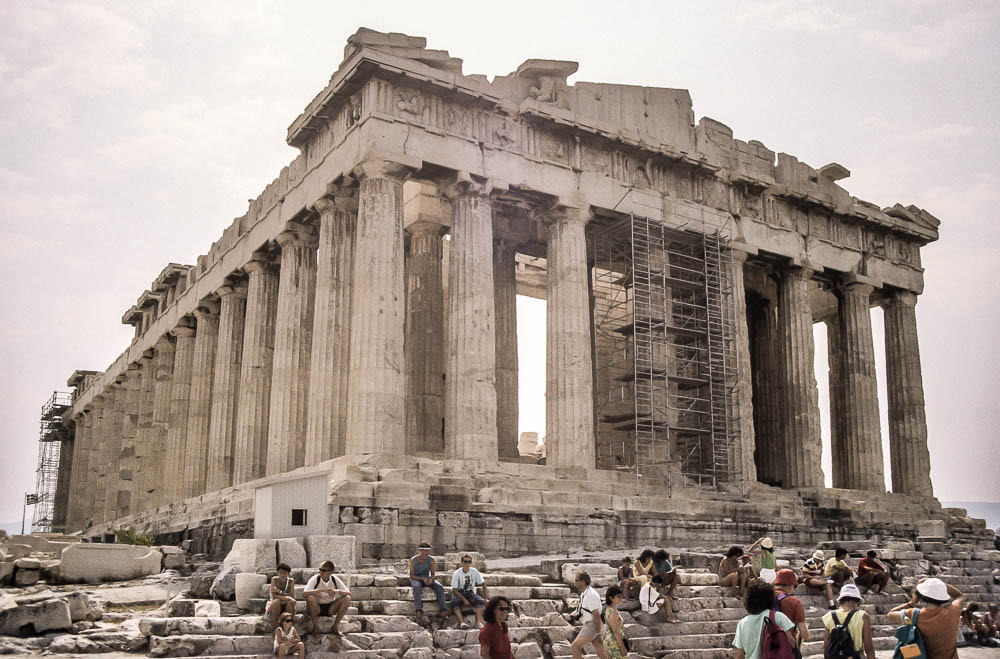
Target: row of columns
(785, 405)
(296, 362)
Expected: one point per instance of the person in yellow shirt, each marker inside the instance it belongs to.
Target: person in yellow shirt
(836, 569)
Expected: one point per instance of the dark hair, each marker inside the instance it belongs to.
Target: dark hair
(328, 565)
(972, 608)
(284, 566)
(490, 613)
(850, 599)
(613, 592)
(646, 554)
(424, 545)
(839, 551)
(660, 555)
(734, 551)
(584, 577)
(930, 600)
(657, 578)
(467, 557)
(759, 597)
(872, 553)
(286, 616)
(627, 559)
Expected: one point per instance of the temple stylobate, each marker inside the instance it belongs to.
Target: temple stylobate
(362, 311)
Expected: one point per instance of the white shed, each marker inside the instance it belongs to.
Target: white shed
(291, 507)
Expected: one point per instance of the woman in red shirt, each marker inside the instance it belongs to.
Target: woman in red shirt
(494, 643)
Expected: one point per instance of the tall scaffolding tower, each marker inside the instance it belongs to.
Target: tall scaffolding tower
(665, 349)
(51, 435)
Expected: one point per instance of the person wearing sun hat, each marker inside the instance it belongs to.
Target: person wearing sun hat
(767, 564)
(785, 582)
(940, 611)
(851, 616)
(812, 576)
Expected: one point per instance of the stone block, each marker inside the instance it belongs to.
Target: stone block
(224, 585)
(71, 644)
(252, 555)
(932, 529)
(95, 563)
(24, 577)
(248, 586)
(174, 561)
(899, 545)
(601, 574)
(50, 571)
(28, 564)
(30, 619)
(200, 585)
(83, 607)
(207, 609)
(181, 608)
(337, 548)
(43, 545)
(292, 551)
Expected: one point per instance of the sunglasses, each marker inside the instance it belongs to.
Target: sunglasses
(467, 562)
(503, 608)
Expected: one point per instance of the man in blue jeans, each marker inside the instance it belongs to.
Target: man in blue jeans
(423, 568)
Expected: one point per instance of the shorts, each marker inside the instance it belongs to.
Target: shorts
(587, 632)
(474, 600)
(324, 608)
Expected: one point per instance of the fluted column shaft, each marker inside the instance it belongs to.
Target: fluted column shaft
(200, 399)
(838, 439)
(569, 396)
(425, 339)
(470, 396)
(180, 397)
(130, 429)
(226, 387)
(81, 468)
(376, 405)
(505, 304)
(113, 446)
(801, 439)
(144, 447)
(154, 477)
(328, 374)
(255, 371)
(744, 384)
(286, 438)
(908, 454)
(99, 458)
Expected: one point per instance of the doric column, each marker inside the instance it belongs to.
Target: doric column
(200, 398)
(144, 446)
(862, 429)
(331, 327)
(800, 429)
(425, 339)
(376, 407)
(129, 431)
(909, 457)
(163, 373)
(569, 397)
(97, 475)
(255, 370)
(505, 305)
(286, 435)
(80, 472)
(766, 392)
(470, 396)
(226, 386)
(113, 446)
(838, 439)
(180, 397)
(744, 384)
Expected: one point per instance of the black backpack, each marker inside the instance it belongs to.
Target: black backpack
(841, 645)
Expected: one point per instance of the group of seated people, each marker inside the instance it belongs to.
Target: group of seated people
(981, 628)
(651, 579)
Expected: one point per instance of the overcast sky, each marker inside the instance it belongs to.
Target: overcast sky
(132, 133)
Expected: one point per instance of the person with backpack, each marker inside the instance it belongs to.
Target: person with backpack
(765, 632)
(849, 629)
(936, 618)
(785, 582)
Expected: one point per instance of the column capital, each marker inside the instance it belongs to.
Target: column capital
(464, 184)
(260, 262)
(237, 288)
(185, 328)
(560, 214)
(426, 228)
(296, 233)
(394, 167)
(341, 196)
(857, 288)
(206, 308)
(147, 354)
(900, 297)
(795, 271)
(162, 342)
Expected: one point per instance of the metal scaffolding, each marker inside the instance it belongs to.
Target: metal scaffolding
(50, 437)
(665, 349)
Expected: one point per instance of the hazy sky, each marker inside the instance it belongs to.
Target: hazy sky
(132, 133)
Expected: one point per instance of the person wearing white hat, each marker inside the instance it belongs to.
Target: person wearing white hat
(851, 617)
(812, 576)
(938, 617)
(766, 563)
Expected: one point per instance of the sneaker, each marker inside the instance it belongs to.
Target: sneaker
(464, 626)
(833, 605)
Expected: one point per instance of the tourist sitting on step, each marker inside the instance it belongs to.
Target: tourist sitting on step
(423, 569)
(286, 639)
(939, 613)
(627, 580)
(494, 641)
(812, 576)
(766, 563)
(785, 582)
(856, 622)
(588, 613)
(663, 567)
(281, 594)
(326, 595)
(463, 591)
(837, 568)
(732, 573)
(758, 602)
(644, 567)
(652, 601)
(992, 620)
(871, 573)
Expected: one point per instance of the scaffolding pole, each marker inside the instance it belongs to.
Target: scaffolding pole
(51, 435)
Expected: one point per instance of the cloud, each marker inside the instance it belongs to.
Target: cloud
(793, 15)
(932, 39)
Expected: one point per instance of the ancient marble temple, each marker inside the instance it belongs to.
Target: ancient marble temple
(364, 305)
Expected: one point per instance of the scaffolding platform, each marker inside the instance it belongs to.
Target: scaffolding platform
(51, 435)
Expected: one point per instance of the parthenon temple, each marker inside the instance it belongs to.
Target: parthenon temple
(357, 327)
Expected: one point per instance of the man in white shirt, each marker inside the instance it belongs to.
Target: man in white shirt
(463, 591)
(589, 610)
(653, 601)
(326, 595)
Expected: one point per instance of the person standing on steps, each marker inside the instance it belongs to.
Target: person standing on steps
(851, 616)
(494, 641)
(463, 592)
(588, 612)
(326, 595)
(785, 582)
(939, 612)
(423, 569)
(759, 601)
(614, 636)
